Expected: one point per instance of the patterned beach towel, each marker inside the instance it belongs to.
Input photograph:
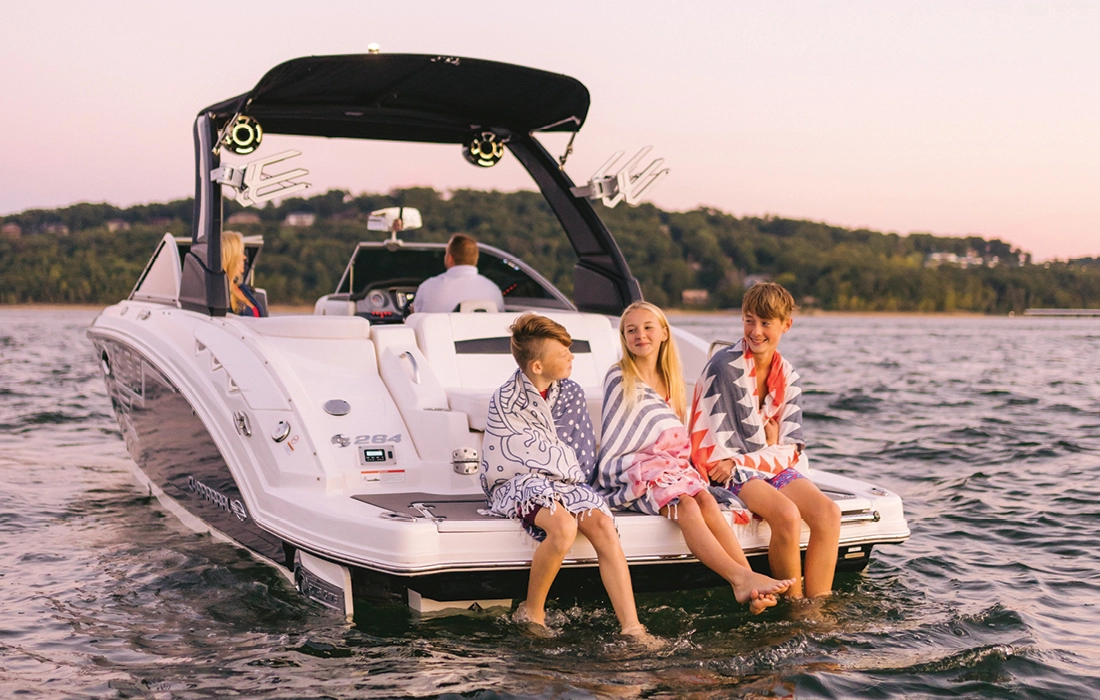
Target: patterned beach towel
(538, 452)
(726, 424)
(643, 463)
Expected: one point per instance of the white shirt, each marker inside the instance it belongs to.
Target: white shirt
(443, 293)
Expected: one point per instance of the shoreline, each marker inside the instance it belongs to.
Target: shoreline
(296, 309)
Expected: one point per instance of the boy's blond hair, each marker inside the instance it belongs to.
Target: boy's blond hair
(529, 335)
(768, 300)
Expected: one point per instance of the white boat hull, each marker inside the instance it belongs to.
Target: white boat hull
(227, 417)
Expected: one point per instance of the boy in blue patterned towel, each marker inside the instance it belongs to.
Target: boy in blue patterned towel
(537, 457)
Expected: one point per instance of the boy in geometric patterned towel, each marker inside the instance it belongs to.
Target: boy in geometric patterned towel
(746, 435)
(538, 453)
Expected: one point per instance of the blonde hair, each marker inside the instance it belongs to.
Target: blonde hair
(668, 362)
(768, 300)
(462, 249)
(232, 256)
(529, 335)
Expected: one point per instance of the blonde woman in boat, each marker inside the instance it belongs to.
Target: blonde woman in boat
(643, 461)
(241, 299)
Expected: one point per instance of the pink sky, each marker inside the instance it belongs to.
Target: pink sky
(955, 118)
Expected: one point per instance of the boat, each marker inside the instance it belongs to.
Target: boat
(342, 446)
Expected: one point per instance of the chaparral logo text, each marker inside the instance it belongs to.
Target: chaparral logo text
(218, 498)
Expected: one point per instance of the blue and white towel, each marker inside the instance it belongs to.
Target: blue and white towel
(538, 452)
(644, 459)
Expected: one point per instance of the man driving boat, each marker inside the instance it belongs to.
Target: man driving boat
(461, 282)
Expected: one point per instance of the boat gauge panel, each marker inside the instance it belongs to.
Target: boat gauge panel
(376, 454)
(377, 298)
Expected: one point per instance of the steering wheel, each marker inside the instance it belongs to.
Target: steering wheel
(389, 301)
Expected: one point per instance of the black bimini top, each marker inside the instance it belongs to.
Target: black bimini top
(408, 97)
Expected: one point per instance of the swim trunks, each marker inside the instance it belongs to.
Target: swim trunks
(744, 476)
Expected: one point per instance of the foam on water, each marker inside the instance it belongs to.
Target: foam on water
(988, 428)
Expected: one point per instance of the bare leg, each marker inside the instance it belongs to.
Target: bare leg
(720, 528)
(785, 522)
(823, 516)
(749, 587)
(614, 572)
(561, 531)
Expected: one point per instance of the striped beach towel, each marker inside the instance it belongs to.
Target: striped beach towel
(538, 452)
(643, 463)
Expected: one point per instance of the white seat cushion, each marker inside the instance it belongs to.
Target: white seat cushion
(469, 354)
(475, 404)
(335, 327)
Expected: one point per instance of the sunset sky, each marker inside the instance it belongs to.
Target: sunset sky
(954, 118)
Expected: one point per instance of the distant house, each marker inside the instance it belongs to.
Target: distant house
(243, 217)
(56, 228)
(971, 259)
(11, 230)
(937, 259)
(115, 225)
(300, 219)
(694, 297)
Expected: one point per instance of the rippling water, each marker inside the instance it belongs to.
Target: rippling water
(988, 428)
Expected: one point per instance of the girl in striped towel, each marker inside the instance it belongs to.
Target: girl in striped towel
(643, 461)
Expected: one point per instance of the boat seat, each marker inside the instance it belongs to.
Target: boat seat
(471, 356)
(478, 306)
(335, 327)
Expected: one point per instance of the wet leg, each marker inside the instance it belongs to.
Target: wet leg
(785, 522)
(561, 531)
(614, 572)
(749, 587)
(720, 528)
(822, 514)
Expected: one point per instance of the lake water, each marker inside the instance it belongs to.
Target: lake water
(989, 428)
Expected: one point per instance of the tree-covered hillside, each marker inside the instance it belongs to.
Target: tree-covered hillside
(94, 252)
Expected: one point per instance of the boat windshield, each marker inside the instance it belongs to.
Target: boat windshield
(376, 266)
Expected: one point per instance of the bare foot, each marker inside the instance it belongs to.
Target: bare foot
(809, 609)
(525, 616)
(759, 591)
(638, 635)
(759, 602)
